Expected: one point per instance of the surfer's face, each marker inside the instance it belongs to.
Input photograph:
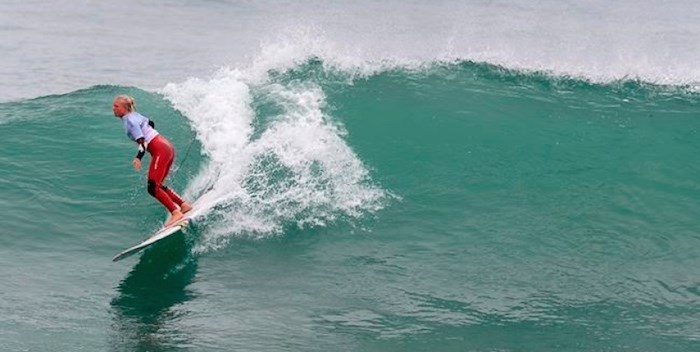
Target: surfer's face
(119, 108)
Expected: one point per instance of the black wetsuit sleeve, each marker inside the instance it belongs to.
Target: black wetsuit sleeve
(142, 148)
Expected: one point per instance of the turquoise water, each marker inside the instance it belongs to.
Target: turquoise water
(489, 176)
(451, 207)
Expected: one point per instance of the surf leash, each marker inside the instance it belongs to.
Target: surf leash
(187, 153)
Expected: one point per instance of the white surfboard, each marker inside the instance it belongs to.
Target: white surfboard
(161, 234)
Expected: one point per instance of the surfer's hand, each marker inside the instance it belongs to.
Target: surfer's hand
(137, 164)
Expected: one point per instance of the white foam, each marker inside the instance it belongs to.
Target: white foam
(297, 171)
(596, 41)
(297, 168)
(655, 41)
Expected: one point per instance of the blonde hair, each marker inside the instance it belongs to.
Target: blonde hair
(129, 102)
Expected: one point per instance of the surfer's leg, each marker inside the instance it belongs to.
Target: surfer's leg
(161, 158)
(162, 155)
(173, 196)
(184, 207)
(156, 190)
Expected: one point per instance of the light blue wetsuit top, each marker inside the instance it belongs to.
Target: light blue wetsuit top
(136, 126)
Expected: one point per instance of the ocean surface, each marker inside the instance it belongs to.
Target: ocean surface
(393, 176)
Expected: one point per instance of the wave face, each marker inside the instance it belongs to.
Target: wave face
(497, 182)
(396, 206)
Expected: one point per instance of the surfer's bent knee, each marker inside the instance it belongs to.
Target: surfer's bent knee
(152, 187)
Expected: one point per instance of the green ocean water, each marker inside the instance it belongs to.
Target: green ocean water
(448, 207)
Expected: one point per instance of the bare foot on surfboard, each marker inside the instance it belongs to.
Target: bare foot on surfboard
(185, 207)
(174, 218)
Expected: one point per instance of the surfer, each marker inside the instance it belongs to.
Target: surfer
(142, 131)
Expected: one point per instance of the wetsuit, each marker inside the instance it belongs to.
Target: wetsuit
(162, 156)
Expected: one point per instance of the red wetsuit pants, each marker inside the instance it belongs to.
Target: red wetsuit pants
(162, 156)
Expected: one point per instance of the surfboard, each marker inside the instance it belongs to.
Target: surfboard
(164, 232)
(161, 234)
